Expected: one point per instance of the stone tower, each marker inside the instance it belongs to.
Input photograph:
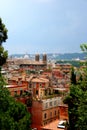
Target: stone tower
(37, 57)
(44, 58)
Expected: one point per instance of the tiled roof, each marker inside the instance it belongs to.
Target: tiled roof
(28, 62)
(41, 80)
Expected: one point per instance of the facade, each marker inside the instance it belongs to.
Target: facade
(47, 111)
(39, 86)
(66, 68)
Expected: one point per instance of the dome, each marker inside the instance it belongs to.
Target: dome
(26, 56)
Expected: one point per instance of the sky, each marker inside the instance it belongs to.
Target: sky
(44, 26)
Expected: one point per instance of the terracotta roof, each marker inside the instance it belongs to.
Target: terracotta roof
(41, 80)
(28, 62)
(52, 126)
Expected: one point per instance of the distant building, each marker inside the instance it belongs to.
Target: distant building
(44, 58)
(40, 87)
(26, 56)
(37, 57)
(27, 64)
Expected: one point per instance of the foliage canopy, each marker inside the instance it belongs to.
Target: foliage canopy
(77, 99)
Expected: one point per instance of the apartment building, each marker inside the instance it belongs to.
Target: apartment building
(47, 110)
(40, 86)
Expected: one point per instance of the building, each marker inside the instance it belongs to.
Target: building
(47, 110)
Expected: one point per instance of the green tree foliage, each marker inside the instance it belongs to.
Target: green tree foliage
(73, 100)
(3, 32)
(3, 38)
(3, 55)
(13, 115)
(84, 47)
(77, 100)
(72, 62)
(82, 112)
(73, 76)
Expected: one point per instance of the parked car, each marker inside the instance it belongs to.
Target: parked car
(61, 124)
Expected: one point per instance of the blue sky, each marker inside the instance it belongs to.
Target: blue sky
(44, 26)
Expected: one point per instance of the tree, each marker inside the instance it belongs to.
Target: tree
(13, 115)
(84, 47)
(73, 100)
(73, 76)
(3, 53)
(77, 100)
(3, 32)
(3, 38)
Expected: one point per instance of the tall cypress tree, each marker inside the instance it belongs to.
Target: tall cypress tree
(73, 76)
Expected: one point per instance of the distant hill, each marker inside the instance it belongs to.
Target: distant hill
(56, 56)
(68, 56)
(71, 56)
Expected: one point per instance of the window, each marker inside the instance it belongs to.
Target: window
(40, 85)
(55, 113)
(46, 105)
(21, 92)
(45, 92)
(50, 114)
(55, 103)
(50, 103)
(45, 116)
(36, 92)
(30, 85)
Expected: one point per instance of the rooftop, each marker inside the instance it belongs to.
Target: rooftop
(52, 126)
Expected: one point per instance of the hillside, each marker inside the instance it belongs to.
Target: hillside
(56, 56)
